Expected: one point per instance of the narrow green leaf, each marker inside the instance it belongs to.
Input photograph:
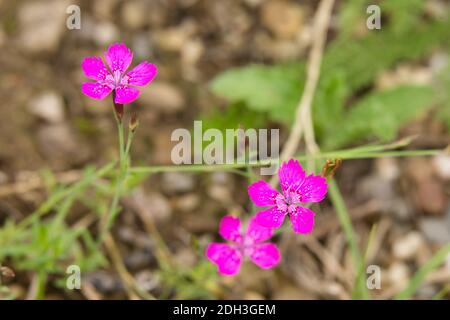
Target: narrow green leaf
(418, 278)
(360, 290)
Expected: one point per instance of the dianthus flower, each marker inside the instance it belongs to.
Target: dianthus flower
(118, 58)
(229, 256)
(297, 189)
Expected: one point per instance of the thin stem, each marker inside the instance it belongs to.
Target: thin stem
(40, 286)
(132, 288)
(121, 143)
(344, 154)
(109, 218)
(128, 147)
(123, 172)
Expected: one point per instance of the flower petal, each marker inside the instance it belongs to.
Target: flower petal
(265, 255)
(227, 258)
(291, 175)
(118, 57)
(262, 194)
(270, 218)
(302, 220)
(125, 94)
(95, 90)
(142, 74)
(94, 68)
(229, 229)
(313, 189)
(257, 232)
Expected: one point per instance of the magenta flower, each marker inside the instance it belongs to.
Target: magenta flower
(118, 57)
(228, 257)
(297, 188)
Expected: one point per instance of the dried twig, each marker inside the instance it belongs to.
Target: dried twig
(131, 287)
(303, 117)
(90, 292)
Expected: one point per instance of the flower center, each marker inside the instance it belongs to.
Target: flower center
(246, 246)
(116, 79)
(287, 202)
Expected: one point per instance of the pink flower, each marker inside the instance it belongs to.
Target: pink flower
(228, 257)
(297, 188)
(118, 57)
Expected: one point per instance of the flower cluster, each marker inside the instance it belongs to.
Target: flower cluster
(297, 189)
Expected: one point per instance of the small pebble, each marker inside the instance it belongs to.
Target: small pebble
(435, 230)
(48, 106)
(407, 246)
(176, 182)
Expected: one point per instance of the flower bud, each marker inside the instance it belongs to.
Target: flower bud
(330, 168)
(118, 108)
(134, 123)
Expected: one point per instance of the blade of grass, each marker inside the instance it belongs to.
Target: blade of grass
(441, 294)
(422, 273)
(360, 289)
(361, 272)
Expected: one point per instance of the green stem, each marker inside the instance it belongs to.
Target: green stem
(128, 148)
(41, 284)
(344, 154)
(121, 143)
(121, 175)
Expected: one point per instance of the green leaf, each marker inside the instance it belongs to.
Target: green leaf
(329, 103)
(403, 13)
(443, 95)
(380, 115)
(261, 87)
(235, 116)
(419, 277)
(352, 15)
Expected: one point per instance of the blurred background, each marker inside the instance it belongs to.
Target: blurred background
(231, 63)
